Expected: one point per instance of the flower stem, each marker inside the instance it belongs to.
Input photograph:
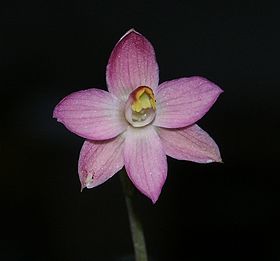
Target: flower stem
(136, 228)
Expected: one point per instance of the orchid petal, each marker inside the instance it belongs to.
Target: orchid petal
(145, 160)
(183, 101)
(132, 64)
(93, 114)
(100, 160)
(190, 143)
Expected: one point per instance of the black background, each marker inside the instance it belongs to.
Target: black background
(219, 211)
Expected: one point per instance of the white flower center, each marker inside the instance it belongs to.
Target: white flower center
(140, 109)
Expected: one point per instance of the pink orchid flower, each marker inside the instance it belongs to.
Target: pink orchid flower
(138, 122)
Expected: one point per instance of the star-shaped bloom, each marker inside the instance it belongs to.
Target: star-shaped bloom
(139, 121)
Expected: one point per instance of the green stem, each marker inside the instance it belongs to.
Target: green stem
(136, 228)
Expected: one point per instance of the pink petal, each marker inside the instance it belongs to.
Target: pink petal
(183, 101)
(132, 64)
(93, 114)
(145, 160)
(100, 160)
(189, 143)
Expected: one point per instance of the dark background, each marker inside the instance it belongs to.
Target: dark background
(219, 211)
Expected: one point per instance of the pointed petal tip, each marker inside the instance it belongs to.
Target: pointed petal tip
(83, 186)
(154, 200)
(220, 91)
(156, 194)
(57, 108)
(54, 115)
(215, 158)
(132, 30)
(56, 112)
(153, 196)
(219, 160)
(217, 87)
